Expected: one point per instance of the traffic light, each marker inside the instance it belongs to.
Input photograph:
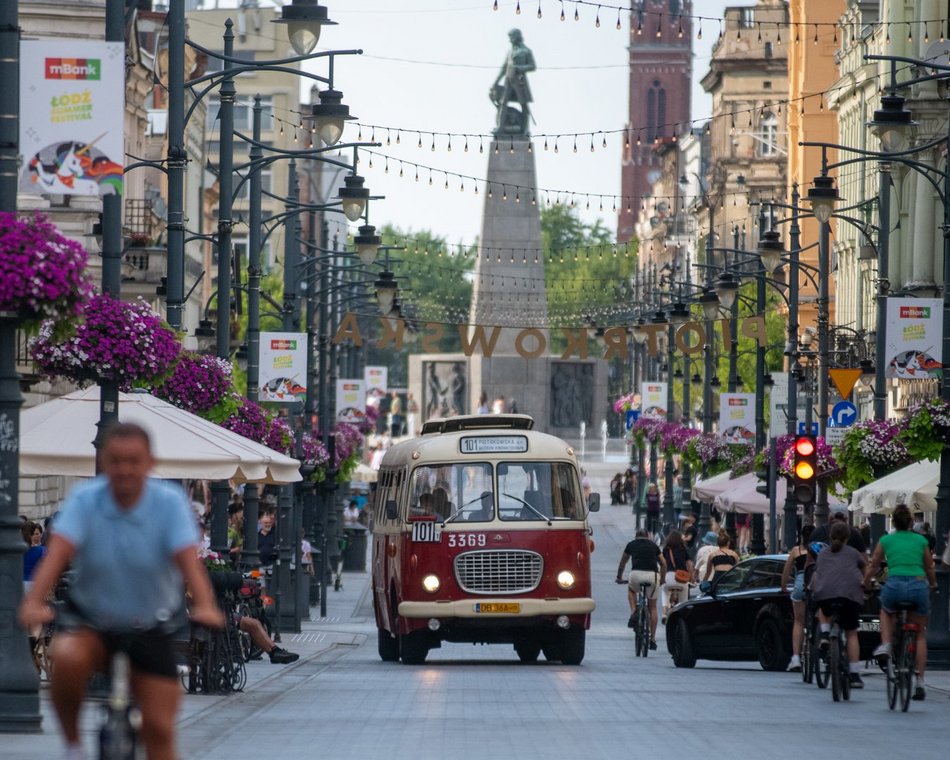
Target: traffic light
(805, 469)
(764, 487)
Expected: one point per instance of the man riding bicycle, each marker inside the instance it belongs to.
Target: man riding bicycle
(131, 542)
(909, 566)
(646, 566)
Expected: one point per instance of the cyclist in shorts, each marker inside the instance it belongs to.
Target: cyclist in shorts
(910, 566)
(132, 543)
(838, 580)
(795, 570)
(646, 566)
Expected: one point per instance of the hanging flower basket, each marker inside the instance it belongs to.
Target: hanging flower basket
(868, 451)
(254, 422)
(202, 385)
(926, 430)
(115, 340)
(42, 272)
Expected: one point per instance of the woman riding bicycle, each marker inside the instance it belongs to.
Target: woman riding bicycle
(797, 558)
(838, 582)
(646, 566)
(909, 566)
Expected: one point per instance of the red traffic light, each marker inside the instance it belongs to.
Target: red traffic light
(805, 446)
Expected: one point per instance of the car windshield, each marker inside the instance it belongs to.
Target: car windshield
(732, 580)
(452, 492)
(538, 491)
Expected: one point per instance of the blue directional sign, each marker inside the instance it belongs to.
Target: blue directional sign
(802, 430)
(844, 414)
(632, 416)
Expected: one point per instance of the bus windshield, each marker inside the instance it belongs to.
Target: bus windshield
(538, 491)
(456, 492)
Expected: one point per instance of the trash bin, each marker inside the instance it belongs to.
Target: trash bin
(354, 555)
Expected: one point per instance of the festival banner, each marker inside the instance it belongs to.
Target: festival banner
(376, 380)
(737, 417)
(350, 401)
(283, 368)
(778, 405)
(653, 399)
(72, 112)
(914, 338)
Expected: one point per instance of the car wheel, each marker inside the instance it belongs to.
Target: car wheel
(413, 648)
(770, 647)
(681, 646)
(387, 645)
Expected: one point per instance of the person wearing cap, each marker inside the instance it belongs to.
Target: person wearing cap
(707, 547)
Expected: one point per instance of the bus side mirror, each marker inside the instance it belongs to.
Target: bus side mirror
(593, 502)
(391, 511)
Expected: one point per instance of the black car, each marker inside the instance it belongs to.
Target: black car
(745, 616)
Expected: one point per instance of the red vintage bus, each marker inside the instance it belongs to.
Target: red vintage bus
(481, 535)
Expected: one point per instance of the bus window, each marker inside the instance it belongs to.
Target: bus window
(453, 492)
(538, 491)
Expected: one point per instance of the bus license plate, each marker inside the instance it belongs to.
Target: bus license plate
(498, 607)
(870, 625)
(426, 532)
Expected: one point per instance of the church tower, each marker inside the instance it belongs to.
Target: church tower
(661, 50)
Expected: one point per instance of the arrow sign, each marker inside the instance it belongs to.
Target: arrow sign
(632, 416)
(844, 414)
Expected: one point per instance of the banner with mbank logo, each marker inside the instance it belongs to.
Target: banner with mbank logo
(72, 112)
(653, 399)
(283, 367)
(914, 338)
(737, 417)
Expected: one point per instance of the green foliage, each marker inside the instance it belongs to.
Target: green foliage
(925, 434)
(856, 468)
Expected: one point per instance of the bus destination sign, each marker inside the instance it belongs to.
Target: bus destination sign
(494, 444)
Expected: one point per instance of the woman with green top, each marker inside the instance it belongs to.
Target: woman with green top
(910, 566)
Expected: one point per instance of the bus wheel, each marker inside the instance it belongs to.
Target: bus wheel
(413, 648)
(572, 646)
(528, 650)
(388, 645)
(552, 650)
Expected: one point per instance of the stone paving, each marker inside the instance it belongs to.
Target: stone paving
(340, 701)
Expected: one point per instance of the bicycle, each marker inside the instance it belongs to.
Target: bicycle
(641, 617)
(901, 664)
(118, 734)
(836, 659)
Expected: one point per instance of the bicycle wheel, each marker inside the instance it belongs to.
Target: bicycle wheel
(844, 666)
(835, 669)
(644, 631)
(820, 662)
(905, 668)
(890, 672)
(808, 658)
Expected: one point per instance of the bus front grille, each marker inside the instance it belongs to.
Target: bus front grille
(498, 572)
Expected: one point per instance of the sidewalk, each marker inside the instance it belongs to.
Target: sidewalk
(320, 638)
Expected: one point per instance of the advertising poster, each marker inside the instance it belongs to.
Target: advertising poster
(653, 399)
(283, 370)
(72, 107)
(778, 405)
(376, 380)
(350, 401)
(914, 338)
(444, 390)
(737, 417)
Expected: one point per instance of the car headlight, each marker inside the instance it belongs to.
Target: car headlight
(431, 583)
(565, 579)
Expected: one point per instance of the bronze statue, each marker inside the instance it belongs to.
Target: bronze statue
(512, 86)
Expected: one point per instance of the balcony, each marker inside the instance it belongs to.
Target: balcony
(144, 264)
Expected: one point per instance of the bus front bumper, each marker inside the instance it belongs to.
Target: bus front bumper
(497, 608)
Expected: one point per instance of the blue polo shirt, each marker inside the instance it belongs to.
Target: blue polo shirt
(124, 576)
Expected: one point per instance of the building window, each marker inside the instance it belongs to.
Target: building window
(656, 110)
(768, 135)
(747, 17)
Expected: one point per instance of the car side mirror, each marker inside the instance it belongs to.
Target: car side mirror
(593, 502)
(391, 511)
(705, 587)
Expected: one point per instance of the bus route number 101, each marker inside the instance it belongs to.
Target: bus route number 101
(426, 532)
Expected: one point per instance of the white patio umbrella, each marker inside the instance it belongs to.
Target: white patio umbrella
(364, 474)
(56, 439)
(710, 488)
(914, 485)
(741, 496)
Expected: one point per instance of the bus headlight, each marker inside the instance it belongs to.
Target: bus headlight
(431, 583)
(565, 579)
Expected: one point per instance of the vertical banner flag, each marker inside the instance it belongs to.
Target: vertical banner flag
(376, 380)
(350, 401)
(283, 369)
(653, 399)
(778, 405)
(737, 417)
(914, 338)
(72, 110)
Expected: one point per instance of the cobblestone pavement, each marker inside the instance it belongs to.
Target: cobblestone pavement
(340, 701)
